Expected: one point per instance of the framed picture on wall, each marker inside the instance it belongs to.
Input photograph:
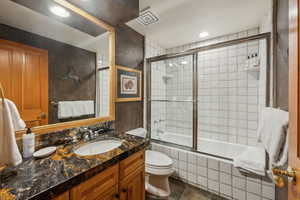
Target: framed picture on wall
(129, 84)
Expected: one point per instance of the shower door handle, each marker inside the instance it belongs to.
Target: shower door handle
(290, 173)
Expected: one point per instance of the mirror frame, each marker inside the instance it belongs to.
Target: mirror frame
(112, 67)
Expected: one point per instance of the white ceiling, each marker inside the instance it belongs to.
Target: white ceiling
(23, 18)
(181, 21)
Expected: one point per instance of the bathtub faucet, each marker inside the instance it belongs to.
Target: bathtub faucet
(158, 129)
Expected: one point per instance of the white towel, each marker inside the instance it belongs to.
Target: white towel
(272, 132)
(65, 109)
(9, 152)
(72, 109)
(18, 123)
(253, 159)
(140, 132)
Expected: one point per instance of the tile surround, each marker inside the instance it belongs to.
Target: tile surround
(229, 98)
(216, 175)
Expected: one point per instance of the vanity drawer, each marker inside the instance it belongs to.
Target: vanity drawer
(97, 186)
(130, 164)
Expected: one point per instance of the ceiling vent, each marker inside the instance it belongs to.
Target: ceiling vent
(147, 18)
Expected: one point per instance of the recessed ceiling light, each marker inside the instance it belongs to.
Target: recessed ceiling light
(184, 62)
(171, 64)
(59, 11)
(203, 34)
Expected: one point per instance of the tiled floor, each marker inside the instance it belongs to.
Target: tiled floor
(182, 191)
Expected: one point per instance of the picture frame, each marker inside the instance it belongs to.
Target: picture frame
(129, 84)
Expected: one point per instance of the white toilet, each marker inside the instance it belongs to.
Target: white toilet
(158, 170)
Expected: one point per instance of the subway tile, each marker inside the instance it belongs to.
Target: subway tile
(182, 165)
(183, 156)
(201, 161)
(238, 194)
(192, 168)
(251, 196)
(268, 192)
(202, 171)
(192, 158)
(213, 164)
(202, 181)
(226, 189)
(225, 178)
(253, 187)
(238, 182)
(192, 178)
(213, 185)
(213, 174)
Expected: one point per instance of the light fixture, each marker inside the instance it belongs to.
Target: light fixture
(171, 64)
(203, 34)
(184, 62)
(59, 11)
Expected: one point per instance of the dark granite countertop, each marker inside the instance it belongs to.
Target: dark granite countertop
(49, 177)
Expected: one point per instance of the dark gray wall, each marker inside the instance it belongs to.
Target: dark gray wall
(129, 53)
(281, 9)
(62, 58)
(281, 53)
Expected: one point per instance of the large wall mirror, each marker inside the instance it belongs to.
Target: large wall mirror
(56, 63)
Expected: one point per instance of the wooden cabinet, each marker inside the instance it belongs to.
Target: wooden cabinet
(132, 177)
(100, 187)
(133, 186)
(64, 196)
(123, 181)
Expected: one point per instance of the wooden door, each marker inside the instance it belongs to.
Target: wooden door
(133, 186)
(24, 76)
(294, 98)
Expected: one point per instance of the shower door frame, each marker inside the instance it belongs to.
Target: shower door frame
(194, 52)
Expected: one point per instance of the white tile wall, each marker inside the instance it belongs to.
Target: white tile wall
(228, 96)
(216, 175)
(158, 86)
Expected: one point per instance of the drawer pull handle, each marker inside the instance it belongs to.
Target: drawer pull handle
(124, 190)
(117, 196)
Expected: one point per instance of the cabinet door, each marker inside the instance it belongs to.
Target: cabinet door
(64, 196)
(103, 186)
(133, 186)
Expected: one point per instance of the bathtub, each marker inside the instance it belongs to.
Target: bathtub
(211, 168)
(208, 146)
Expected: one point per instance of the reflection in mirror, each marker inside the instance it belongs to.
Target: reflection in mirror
(54, 64)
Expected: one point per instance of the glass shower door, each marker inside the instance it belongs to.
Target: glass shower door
(172, 100)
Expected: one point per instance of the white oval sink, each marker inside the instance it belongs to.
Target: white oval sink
(99, 147)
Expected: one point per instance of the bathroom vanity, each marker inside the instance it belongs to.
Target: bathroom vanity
(116, 174)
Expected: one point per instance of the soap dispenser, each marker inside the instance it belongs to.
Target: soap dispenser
(28, 143)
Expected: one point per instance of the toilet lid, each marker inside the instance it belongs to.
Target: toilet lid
(157, 159)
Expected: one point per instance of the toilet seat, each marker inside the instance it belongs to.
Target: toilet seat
(158, 163)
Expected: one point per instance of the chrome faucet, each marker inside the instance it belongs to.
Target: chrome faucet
(158, 129)
(89, 134)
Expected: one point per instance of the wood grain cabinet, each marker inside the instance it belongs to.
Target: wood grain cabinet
(133, 186)
(132, 177)
(123, 181)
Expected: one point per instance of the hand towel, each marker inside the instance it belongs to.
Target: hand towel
(73, 109)
(272, 132)
(252, 159)
(9, 152)
(18, 123)
(65, 109)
